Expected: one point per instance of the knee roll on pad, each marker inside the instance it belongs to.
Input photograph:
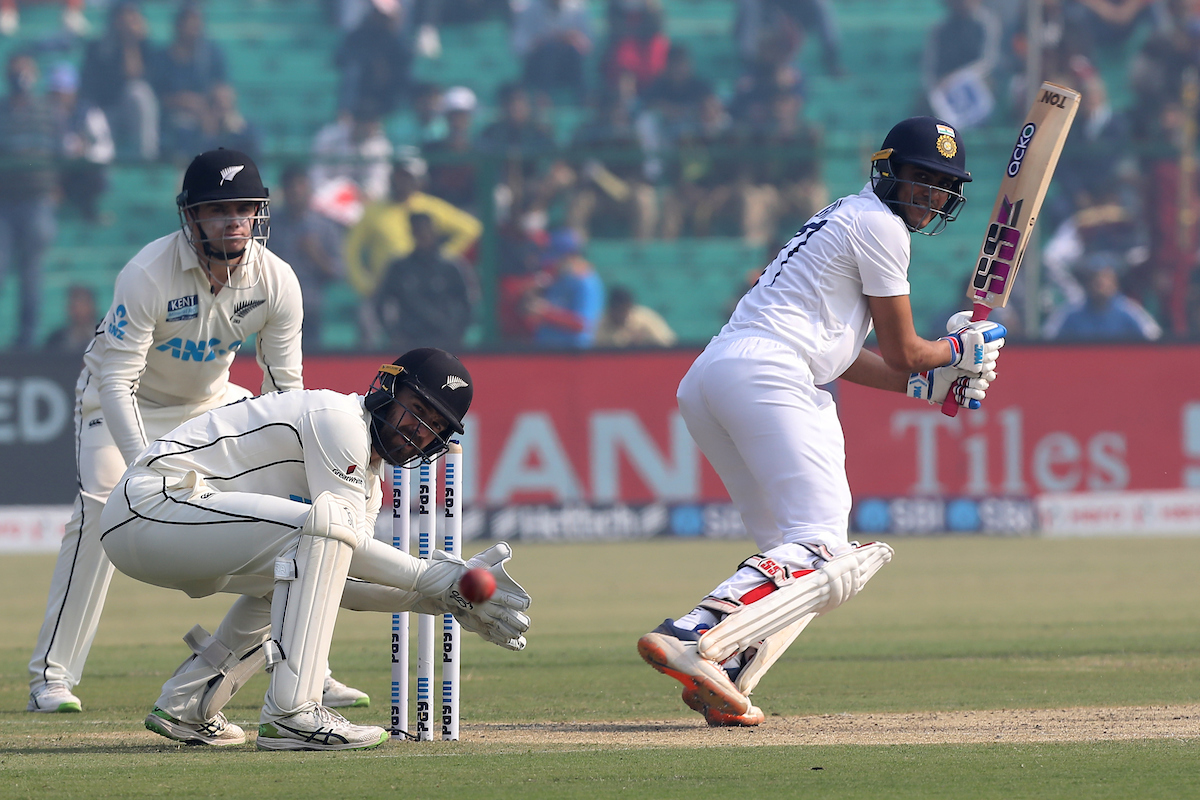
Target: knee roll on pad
(333, 517)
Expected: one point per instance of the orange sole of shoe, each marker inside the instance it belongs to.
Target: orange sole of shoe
(706, 691)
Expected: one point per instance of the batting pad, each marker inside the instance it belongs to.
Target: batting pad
(308, 588)
(817, 593)
(769, 651)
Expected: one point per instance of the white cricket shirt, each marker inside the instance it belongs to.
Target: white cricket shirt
(294, 445)
(168, 339)
(813, 295)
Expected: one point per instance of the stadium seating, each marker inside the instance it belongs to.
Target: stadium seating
(280, 56)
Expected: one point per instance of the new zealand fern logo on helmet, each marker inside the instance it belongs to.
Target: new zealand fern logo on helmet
(227, 173)
(454, 382)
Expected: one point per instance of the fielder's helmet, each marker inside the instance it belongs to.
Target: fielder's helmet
(221, 175)
(440, 380)
(217, 176)
(926, 142)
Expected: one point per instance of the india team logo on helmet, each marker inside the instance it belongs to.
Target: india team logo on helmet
(928, 143)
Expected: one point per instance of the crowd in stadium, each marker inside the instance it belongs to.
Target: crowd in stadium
(398, 189)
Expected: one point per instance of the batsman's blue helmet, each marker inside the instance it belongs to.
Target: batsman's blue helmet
(925, 142)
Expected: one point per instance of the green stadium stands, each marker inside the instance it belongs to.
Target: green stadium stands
(280, 56)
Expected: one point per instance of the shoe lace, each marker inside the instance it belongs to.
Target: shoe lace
(214, 726)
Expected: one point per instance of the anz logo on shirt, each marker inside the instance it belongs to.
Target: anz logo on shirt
(117, 324)
(188, 350)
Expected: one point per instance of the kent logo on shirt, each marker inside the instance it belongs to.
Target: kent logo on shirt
(183, 308)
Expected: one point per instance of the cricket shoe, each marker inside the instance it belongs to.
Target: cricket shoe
(318, 729)
(717, 719)
(218, 731)
(336, 694)
(672, 651)
(53, 698)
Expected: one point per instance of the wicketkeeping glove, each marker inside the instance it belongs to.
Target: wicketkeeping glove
(969, 390)
(500, 620)
(975, 347)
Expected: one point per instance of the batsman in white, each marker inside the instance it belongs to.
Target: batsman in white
(182, 308)
(752, 403)
(274, 498)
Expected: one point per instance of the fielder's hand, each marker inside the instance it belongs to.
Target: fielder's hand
(968, 389)
(975, 346)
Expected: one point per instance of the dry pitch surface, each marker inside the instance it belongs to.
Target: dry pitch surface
(944, 727)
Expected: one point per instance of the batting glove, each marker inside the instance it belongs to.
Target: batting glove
(975, 347)
(968, 390)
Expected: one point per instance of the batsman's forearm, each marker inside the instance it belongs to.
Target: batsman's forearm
(869, 369)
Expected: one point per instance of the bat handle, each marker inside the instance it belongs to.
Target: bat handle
(949, 407)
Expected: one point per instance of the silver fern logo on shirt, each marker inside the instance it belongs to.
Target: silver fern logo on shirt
(454, 382)
(243, 308)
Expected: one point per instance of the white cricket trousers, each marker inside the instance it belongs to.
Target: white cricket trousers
(775, 441)
(82, 573)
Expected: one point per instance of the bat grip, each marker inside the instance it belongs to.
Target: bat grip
(949, 406)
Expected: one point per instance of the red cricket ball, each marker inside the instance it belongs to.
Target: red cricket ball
(477, 585)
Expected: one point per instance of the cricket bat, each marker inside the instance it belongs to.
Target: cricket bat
(1026, 179)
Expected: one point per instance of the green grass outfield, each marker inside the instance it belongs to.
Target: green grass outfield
(952, 625)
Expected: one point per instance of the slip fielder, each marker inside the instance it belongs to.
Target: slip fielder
(752, 403)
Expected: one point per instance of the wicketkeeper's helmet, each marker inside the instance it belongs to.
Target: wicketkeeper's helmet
(440, 380)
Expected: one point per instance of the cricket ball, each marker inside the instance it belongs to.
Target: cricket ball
(477, 585)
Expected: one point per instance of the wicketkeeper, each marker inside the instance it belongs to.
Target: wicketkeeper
(275, 498)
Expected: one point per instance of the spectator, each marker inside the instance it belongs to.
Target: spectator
(611, 191)
(637, 48)
(565, 314)
(452, 170)
(352, 165)
(1105, 314)
(675, 95)
(426, 299)
(1110, 23)
(80, 328)
(375, 60)
(86, 144)
(73, 20)
(961, 53)
(115, 77)
(707, 175)
(1157, 73)
(785, 188)
(627, 324)
(425, 121)
(762, 24)
(385, 234)
(28, 148)
(1098, 149)
(522, 273)
(552, 38)
(524, 144)
(185, 72)
(224, 125)
(312, 243)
